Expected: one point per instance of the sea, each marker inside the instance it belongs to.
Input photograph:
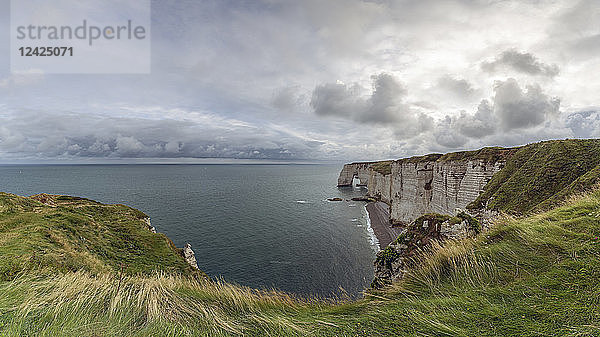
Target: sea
(265, 226)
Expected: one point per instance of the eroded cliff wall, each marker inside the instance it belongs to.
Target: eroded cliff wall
(429, 184)
(411, 192)
(437, 186)
(358, 170)
(380, 186)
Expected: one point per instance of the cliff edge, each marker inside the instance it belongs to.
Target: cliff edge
(58, 234)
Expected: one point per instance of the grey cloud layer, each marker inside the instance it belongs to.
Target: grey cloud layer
(384, 106)
(520, 112)
(46, 135)
(457, 86)
(512, 109)
(522, 62)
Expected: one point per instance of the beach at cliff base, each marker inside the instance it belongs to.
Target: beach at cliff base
(379, 216)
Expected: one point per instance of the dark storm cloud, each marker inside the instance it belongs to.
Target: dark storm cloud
(453, 132)
(385, 105)
(522, 62)
(446, 133)
(32, 134)
(337, 99)
(482, 123)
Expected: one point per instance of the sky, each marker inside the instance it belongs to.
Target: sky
(335, 80)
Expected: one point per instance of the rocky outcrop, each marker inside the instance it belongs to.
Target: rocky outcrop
(46, 199)
(397, 258)
(354, 170)
(149, 224)
(189, 256)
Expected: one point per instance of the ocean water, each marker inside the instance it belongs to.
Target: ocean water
(264, 226)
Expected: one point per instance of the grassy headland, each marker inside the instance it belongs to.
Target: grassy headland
(539, 175)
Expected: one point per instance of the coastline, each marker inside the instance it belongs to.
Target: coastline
(372, 237)
(378, 216)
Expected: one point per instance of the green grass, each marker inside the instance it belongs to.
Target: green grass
(542, 174)
(487, 154)
(383, 167)
(528, 276)
(79, 234)
(421, 159)
(473, 223)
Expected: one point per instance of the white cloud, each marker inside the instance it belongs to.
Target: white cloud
(384, 106)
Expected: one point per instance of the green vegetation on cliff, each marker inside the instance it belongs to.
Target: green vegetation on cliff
(532, 177)
(487, 154)
(383, 167)
(537, 176)
(529, 276)
(65, 234)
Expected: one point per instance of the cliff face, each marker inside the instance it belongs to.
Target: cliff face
(358, 170)
(430, 184)
(437, 186)
(380, 186)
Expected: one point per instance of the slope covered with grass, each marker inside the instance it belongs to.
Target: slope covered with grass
(541, 174)
(530, 276)
(71, 234)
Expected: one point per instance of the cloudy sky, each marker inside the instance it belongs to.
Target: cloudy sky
(320, 80)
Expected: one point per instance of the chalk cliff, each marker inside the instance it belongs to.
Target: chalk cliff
(429, 184)
(355, 170)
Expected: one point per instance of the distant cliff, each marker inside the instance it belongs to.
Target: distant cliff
(514, 180)
(429, 184)
(361, 171)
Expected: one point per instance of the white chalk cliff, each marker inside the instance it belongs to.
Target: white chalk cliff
(429, 184)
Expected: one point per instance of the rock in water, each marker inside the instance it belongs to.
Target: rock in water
(189, 256)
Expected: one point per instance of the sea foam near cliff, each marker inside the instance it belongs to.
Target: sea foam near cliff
(372, 237)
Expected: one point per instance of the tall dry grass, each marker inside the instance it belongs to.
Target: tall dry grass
(213, 307)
